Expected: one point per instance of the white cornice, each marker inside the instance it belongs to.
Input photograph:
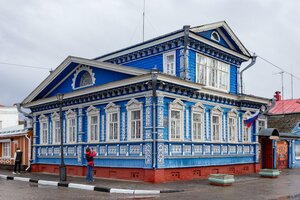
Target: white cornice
(97, 64)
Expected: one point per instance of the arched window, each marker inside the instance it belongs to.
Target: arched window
(176, 110)
(198, 122)
(85, 79)
(215, 36)
(216, 124)
(232, 126)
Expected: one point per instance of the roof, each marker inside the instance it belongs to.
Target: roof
(245, 55)
(274, 132)
(71, 59)
(227, 28)
(13, 131)
(285, 107)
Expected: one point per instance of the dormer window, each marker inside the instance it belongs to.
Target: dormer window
(83, 77)
(215, 36)
(86, 79)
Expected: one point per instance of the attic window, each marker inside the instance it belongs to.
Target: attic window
(86, 79)
(215, 36)
(83, 77)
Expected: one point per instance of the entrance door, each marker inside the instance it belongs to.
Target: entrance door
(282, 154)
(266, 153)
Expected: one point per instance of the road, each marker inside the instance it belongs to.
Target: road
(286, 187)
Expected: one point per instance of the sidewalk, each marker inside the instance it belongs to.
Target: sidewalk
(131, 185)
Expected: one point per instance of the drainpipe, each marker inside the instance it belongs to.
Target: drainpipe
(154, 73)
(29, 152)
(253, 60)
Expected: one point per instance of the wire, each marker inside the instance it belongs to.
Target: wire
(276, 66)
(26, 66)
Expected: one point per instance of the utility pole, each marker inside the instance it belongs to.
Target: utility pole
(144, 21)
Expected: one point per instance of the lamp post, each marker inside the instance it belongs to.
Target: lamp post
(62, 167)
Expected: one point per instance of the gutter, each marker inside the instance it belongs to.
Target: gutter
(253, 61)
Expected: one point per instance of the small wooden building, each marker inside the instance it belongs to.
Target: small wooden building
(10, 139)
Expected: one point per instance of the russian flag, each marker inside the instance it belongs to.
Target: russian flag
(251, 119)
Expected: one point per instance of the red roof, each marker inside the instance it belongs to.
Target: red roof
(286, 107)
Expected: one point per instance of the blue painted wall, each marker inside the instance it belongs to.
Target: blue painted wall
(233, 80)
(102, 76)
(207, 35)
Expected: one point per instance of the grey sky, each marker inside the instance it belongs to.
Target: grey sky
(44, 33)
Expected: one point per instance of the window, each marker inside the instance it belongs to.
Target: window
(169, 63)
(135, 123)
(135, 113)
(93, 124)
(297, 151)
(6, 150)
(71, 130)
(176, 120)
(231, 129)
(55, 128)
(0, 124)
(113, 126)
(216, 124)
(212, 73)
(85, 79)
(197, 122)
(94, 129)
(261, 124)
(246, 135)
(215, 36)
(232, 125)
(112, 122)
(43, 129)
(175, 124)
(71, 126)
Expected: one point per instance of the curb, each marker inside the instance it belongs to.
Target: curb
(88, 187)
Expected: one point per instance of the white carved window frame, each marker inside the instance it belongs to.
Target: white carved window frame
(55, 118)
(70, 114)
(43, 120)
(198, 108)
(79, 69)
(233, 114)
(176, 105)
(92, 112)
(216, 112)
(245, 129)
(134, 105)
(112, 108)
(217, 35)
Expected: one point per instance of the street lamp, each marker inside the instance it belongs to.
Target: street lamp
(62, 167)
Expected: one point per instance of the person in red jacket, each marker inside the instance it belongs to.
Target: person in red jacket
(89, 155)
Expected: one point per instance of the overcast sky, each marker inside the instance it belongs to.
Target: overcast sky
(43, 33)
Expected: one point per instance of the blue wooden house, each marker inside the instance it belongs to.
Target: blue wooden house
(165, 109)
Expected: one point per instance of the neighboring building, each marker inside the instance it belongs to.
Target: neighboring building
(10, 139)
(284, 152)
(184, 119)
(9, 116)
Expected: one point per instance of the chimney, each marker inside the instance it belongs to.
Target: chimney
(277, 96)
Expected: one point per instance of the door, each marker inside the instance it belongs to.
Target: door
(282, 154)
(266, 153)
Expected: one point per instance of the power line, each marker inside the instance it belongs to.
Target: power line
(26, 66)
